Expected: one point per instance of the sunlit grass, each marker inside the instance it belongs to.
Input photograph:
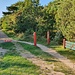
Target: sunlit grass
(13, 64)
(70, 54)
(16, 65)
(37, 52)
(59, 66)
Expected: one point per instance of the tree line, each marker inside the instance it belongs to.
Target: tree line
(28, 16)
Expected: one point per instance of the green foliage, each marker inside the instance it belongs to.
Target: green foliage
(12, 8)
(65, 19)
(25, 23)
(7, 13)
(58, 38)
(30, 15)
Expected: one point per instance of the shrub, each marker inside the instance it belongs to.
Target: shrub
(58, 38)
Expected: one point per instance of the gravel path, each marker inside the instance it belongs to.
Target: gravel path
(47, 69)
(55, 54)
(3, 35)
(58, 56)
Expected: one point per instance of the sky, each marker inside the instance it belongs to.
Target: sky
(6, 3)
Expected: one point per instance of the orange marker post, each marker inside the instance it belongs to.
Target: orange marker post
(34, 38)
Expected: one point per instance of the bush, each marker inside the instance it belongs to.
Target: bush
(58, 38)
(21, 36)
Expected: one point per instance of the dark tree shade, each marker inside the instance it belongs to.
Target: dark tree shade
(12, 8)
(7, 13)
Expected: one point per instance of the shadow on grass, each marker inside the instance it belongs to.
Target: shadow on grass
(8, 64)
(12, 58)
(68, 53)
(39, 53)
(7, 45)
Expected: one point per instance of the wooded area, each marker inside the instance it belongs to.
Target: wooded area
(25, 17)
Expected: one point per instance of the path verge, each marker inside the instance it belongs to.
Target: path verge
(47, 69)
(54, 54)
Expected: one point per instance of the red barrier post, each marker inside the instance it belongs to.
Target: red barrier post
(64, 43)
(34, 38)
(48, 37)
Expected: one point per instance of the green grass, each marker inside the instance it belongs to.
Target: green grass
(70, 54)
(59, 67)
(7, 45)
(13, 64)
(16, 65)
(37, 52)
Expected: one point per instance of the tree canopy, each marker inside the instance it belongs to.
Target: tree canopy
(57, 16)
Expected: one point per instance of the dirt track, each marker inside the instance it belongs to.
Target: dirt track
(2, 35)
(45, 49)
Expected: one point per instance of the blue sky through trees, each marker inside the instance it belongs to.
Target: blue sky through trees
(4, 3)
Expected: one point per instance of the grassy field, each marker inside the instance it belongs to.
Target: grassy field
(37, 51)
(13, 64)
(70, 54)
(59, 67)
(7, 45)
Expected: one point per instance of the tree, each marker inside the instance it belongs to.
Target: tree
(65, 19)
